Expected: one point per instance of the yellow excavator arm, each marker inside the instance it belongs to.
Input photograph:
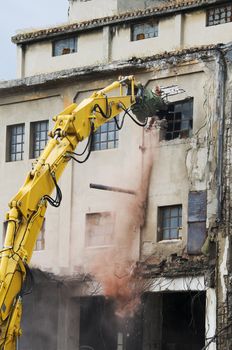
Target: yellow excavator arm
(28, 207)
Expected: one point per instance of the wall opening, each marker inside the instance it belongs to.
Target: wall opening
(183, 325)
(164, 321)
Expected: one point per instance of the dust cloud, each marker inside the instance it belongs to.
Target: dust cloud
(115, 268)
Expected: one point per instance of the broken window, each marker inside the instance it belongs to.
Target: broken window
(99, 229)
(64, 46)
(15, 142)
(179, 119)
(40, 242)
(106, 137)
(145, 30)
(169, 222)
(219, 15)
(39, 138)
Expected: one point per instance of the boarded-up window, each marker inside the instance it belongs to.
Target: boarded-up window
(99, 229)
(197, 206)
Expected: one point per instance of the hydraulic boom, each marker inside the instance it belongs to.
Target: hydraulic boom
(28, 207)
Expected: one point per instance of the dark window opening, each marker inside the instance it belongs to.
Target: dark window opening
(169, 222)
(219, 15)
(64, 46)
(15, 142)
(146, 30)
(39, 138)
(179, 119)
(106, 137)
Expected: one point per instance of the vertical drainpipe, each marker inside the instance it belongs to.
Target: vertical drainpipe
(220, 110)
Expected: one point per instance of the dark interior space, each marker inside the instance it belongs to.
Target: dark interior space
(97, 324)
(101, 329)
(165, 321)
(183, 325)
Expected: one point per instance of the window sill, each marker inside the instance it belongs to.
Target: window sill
(99, 247)
(166, 241)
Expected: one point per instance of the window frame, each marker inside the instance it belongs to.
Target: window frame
(217, 7)
(182, 133)
(160, 222)
(155, 23)
(32, 151)
(9, 144)
(55, 41)
(105, 130)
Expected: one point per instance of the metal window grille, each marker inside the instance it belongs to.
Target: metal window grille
(170, 221)
(219, 15)
(64, 46)
(15, 142)
(106, 137)
(40, 242)
(179, 120)
(99, 229)
(142, 31)
(39, 137)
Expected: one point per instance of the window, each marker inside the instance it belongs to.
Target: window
(106, 137)
(197, 213)
(64, 46)
(39, 138)
(169, 222)
(219, 15)
(179, 119)
(142, 31)
(99, 229)
(40, 242)
(15, 142)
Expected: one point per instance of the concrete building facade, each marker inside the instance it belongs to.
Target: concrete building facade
(160, 257)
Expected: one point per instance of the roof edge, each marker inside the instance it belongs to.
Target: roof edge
(134, 64)
(174, 7)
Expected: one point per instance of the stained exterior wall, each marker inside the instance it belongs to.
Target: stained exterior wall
(113, 43)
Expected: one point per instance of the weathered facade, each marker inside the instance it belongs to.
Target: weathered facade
(174, 234)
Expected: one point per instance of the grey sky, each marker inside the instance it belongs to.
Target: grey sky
(21, 14)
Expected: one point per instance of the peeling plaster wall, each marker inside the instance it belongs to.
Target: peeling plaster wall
(179, 166)
(184, 165)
